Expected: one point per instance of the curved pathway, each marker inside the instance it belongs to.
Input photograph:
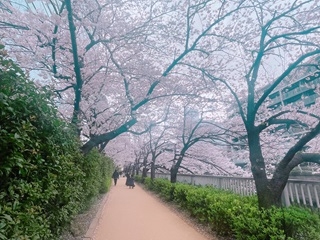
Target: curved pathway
(137, 215)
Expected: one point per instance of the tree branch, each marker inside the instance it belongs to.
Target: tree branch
(289, 162)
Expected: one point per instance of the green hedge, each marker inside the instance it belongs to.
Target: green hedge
(232, 215)
(44, 178)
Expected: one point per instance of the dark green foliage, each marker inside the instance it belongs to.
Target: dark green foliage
(276, 223)
(44, 178)
(98, 171)
(239, 217)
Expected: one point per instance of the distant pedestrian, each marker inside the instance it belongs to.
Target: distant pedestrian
(115, 177)
(127, 179)
(130, 182)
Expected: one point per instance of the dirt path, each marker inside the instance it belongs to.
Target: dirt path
(137, 215)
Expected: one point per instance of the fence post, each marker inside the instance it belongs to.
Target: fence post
(285, 197)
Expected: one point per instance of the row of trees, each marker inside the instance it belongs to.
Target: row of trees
(123, 66)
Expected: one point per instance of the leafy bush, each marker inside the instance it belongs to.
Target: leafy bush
(180, 194)
(277, 223)
(44, 178)
(237, 216)
(98, 171)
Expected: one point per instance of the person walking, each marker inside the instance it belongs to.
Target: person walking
(130, 182)
(127, 179)
(115, 177)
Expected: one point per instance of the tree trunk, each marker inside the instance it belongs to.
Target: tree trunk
(137, 167)
(173, 174)
(269, 194)
(137, 170)
(153, 170)
(175, 167)
(265, 192)
(269, 191)
(277, 185)
(144, 172)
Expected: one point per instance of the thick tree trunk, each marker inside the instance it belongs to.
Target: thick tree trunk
(269, 191)
(267, 195)
(173, 174)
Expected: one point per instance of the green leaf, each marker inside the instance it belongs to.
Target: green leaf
(7, 217)
(3, 237)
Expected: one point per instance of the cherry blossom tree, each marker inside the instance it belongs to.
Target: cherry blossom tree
(88, 50)
(270, 46)
(186, 141)
(157, 145)
(121, 149)
(109, 61)
(192, 128)
(206, 158)
(144, 152)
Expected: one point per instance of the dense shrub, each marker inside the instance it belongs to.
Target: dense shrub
(98, 171)
(44, 178)
(276, 223)
(236, 216)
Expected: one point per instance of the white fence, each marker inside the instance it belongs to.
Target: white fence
(297, 191)
(302, 192)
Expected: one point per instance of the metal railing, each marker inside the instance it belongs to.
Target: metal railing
(297, 191)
